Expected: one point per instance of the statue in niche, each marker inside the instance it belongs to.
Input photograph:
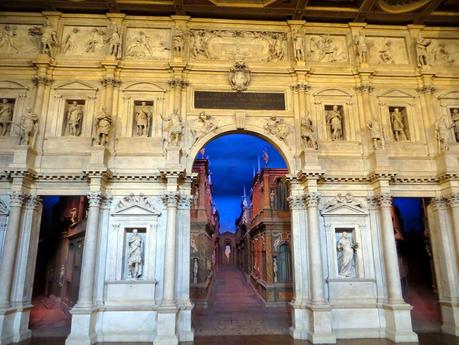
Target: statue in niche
(442, 128)
(135, 261)
(6, 112)
(308, 134)
(174, 126)
(325, 50)
(385, 53)
(143, 115)
(346, 248)
(421, 50)
(298, 45)
(202, 126)
(228, 252)
(48, 40)
(275, 269)
(362, 48)
(195, 270)
(140, 47)
(8, 38)
(95, 41)
(376, 134)
(335, 123)
(398, 126)
(28, 128)
(69, 42)
(114, 42)
(455, 119)
(103, 126)
(272, 198)
(74, 117)
(179, 44)
(278, 128)
(73, 217)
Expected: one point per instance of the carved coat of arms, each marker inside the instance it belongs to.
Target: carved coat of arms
(239, 76)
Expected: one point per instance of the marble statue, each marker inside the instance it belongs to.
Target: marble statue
(442, 129)
(362, 48)
(69, 42)
(398, 127)
(385, 53)
(103, 127)
(8, 38)
(48, 40)
(228, 252)
(143, 115)
(346, 248)
(278, 128)
(335, 123)
(6, 111)
(73, 217)
(141, 46)
(74, 118)
(421, 50)
(114, 42)
(376, 135)
(202, 126)
(28, 128)
(178, 44)
(455, 119)
(174, 127)
(275, 270)
(135, 261)
(308, 134)
(298, 45)
(195, 270)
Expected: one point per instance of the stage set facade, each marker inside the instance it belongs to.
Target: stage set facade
(115, 108)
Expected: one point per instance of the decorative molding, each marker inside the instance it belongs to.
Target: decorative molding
(453, 200)
(4, 211)
(141, 203)
(439, 203)
(426, 89)
(344, 204)
(184, 201)
(300, 87)
(33, 202)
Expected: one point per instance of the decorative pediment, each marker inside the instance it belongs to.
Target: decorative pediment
(344, 205)
(76, 85)
(449, 95)
(332, 92)
(3, 208)
(396, 94)
(136, 205)
(12, 85)
(143, 87)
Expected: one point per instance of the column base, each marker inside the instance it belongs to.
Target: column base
(14, 324)
(313, 323)
(450, 317)
(185, 332)
(398, 323)
(83, 329)
(166, 324)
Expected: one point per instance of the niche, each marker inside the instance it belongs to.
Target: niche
(134, 253)
(143, 114)
(73, 118)
(334, 118)
(399, 123)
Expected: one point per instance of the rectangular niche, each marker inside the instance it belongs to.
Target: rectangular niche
(73, 117)
(134, 253)
(6, 115)
(399, 123)
(346, 252)
(142, 121)
(334, 119)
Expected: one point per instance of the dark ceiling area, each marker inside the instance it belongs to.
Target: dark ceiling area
(398, 12)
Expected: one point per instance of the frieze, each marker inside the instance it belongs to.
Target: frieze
(17, 41)
(84, 41)
(387, 51)
(327, 49)
(149, 44)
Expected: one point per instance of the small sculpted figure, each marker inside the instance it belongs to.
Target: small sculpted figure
(443, 129)
(203, 125)
(74, 117)
(135, 255)
(346, 248)
(8, 38)
(103, 126)
(48, 40)
(385, 53)
(362, 48)
(195, 270)
(455, 119)
(174, 127)
(6, 112)
(28, 128)
(335, 122)
(298, 44)
(143, 116)
(421, 50)
(114, 42)
(376, 134)
(398, 127)
(308, 134)
(179, 43)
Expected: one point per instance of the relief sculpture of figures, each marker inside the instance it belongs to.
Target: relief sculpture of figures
(442, 128)
(278, 128)
(69, 42)
(48, 40)
(298, 45)
(143, 115)
(28, 128)
(335, 122)
(6, 112)
(199, 46)
(179, 44)
(114, 42)
(8, 38)
(140, 47)
(135, 261)
(324, 49)
(203, 125)
(455, 119)
(103, 126)
(362, 48)
(398, 127)
(174, 127)
(74, 117)
(346, 248)
(308, 134)
(421, 50)
(95, 41)
(376, 134)
(385, 53)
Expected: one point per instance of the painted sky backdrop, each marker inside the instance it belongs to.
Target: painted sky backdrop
(232, 159)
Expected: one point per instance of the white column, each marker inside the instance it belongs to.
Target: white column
(170, 199)
(85, 297)
(394, 289)
(453, 202)
(9, 251)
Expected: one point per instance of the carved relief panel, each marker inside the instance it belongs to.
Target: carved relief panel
(84, 41)
(443, 52)
(327, 48)
(387, 50)
(149, 44)
(17, 41)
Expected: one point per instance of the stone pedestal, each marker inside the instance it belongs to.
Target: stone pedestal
(185, 332)
(379, 161)
(173, 155)
(311, 161)
(24, 158)
(83, 331)
(398, 323)
(447, 161)
(450, 317)
(313, 323)
(99, 157)
(166, 322)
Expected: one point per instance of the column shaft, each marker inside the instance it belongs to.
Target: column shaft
(169, 257)
(454, 206)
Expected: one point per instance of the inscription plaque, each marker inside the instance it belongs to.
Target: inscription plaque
(239, 100)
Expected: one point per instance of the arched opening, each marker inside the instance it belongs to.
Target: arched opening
(241, 233)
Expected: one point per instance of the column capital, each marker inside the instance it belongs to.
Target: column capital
(453, 200)
(18, 199)
(365, 88)
(439, 203)
(108, 81)
(180, 83)
(106, 202)
(426, 89)
(300, 87)
(384, 200)
(33, 202)
(296, 202)
(94, 199)
(184, 201)
(170, 199)
(372, 202)
(312, 199)
(39, 80)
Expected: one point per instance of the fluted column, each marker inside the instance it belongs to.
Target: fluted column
(183, 211)
(170, 199)
(453, 202)
(315, 255)
(394, 289)
(10, 245)
(85, 297)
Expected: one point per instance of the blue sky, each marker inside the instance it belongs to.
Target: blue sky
(232, 159)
